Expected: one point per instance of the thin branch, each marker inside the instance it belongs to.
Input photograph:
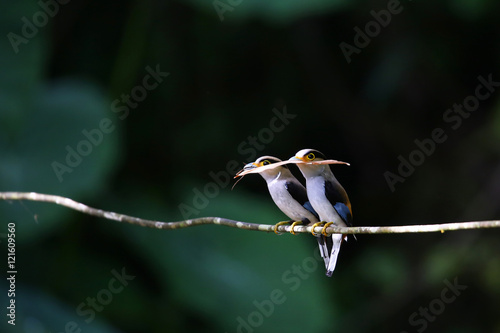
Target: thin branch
(66, 202)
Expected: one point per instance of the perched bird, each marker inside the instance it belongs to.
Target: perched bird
(289, 195)
(327, 196)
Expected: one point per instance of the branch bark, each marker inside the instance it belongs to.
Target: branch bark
(69, 203)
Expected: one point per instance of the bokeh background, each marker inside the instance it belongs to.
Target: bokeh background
(229, 65)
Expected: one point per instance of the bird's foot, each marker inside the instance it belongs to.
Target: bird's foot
(293, 225)
(318, 224)
(277, 225)
(323, 232)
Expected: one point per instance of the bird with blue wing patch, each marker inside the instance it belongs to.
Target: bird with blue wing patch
(327, 196)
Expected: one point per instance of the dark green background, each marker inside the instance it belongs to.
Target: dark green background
(225, 79)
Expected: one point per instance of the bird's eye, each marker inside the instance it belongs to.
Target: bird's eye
(266, 162)
(310, 156)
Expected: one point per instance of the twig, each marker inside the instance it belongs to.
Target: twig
(66, 202)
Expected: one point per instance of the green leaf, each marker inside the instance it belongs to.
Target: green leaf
(231, 275)
(40, 122)
(39, 312)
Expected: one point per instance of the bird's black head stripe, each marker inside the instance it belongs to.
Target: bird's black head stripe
(316, 153)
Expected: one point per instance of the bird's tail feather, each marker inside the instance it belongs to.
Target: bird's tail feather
(337, 240)
(323, 249)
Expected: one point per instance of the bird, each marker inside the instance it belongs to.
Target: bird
(289, 195)
(328, 198)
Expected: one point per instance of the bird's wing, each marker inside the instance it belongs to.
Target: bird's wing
(344, 213)
(337, 196)
(310, 208)
(299, 193)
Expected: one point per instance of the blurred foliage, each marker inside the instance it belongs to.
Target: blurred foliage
(82, 80)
